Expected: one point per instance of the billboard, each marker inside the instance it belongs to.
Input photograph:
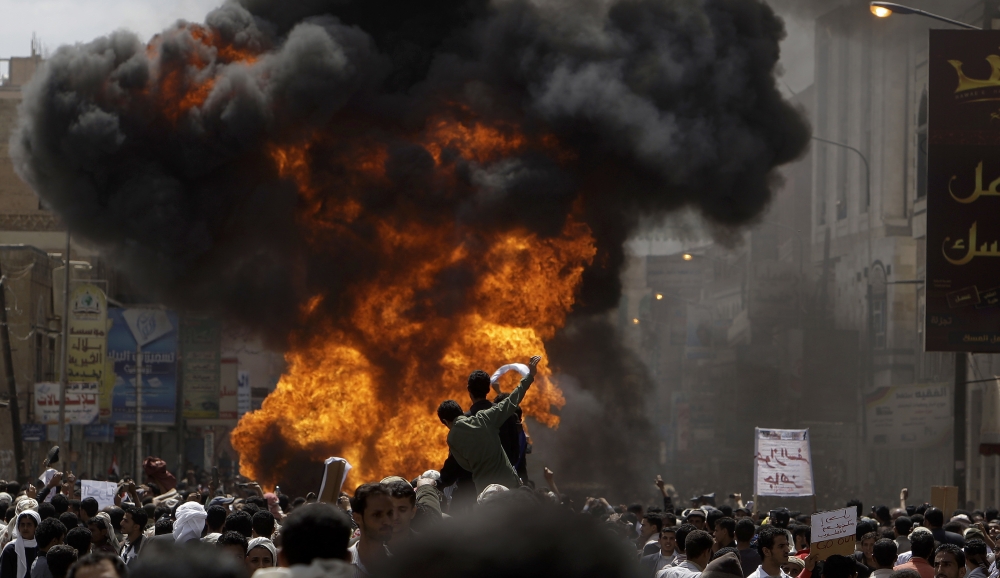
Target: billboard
(156, 331)
(81, 403)
(963, 192)
(201, 345)
(782, 463)
(908, 416)
(86, 358)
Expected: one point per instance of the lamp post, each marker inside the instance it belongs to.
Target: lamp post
(884, 10)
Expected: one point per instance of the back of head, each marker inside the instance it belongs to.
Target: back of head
(922, 544)
(233, 539)
(903, 525)
(884, 552)
(975, 548)
(90, 506)
(46, 511)
(163, 526)
(934, 517)
(50, 529)
(479, 384)
(449, 410)
(99, 558)
(241, 522)
(857, 504)
(837, 566)
(697, 543)
(728, 524)
(116, 514)
(60, 558)
(79, 538)
(543, 541)
(192, 560)
(725, 564)
(315, 531)
(682, 533)
(745, 529)
(263, 523)
(802, 530)
(60, 503)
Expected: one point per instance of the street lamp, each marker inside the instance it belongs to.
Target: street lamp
(886, 9)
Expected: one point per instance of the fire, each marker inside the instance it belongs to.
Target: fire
(335, 399)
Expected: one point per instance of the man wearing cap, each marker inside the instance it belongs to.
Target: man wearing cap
(696, 517)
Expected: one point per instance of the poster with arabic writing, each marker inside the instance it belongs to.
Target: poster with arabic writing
(783, 463)
(962, 279)
(834, 532)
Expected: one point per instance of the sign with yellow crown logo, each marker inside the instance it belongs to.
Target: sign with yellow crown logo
(962, 300)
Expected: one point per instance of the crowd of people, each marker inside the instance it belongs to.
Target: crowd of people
(474, 516)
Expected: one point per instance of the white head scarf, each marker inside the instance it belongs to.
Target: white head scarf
(264, 543)
(23, 504)
(20, 543)
(491, 492)
(112, 536)
(189, 522)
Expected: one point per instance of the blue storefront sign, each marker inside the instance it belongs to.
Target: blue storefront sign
(33, 432)
(156, 331)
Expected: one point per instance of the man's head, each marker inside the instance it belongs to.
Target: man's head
(216, 518)
(668, 541)
(868, 542)
(98, 565)
(46, 510)
(80, 539)
(858, 505)
(884, 553)
(698, 547)
(98, 531)
(801, 535)
(975, 554)
(50, 532)
(772, 545)
(901, 526)
(263, 524)
(233, 544)
(134, 522)
(780, 517)
(933, 518)
(373, 512)
(60, 558)
(448, 411)
(26, 526)
(682, 533)
(314, 531)
(922, 545)
(697, 518)
(163, 526)
(650, 525)
(404, 502)
(837, 566)
(793, 566)
(745, 529)
(241, 522)
(949, 562)
(88, 509)
(479, 385)
(725, 531)
(116, 514)
(60, 503)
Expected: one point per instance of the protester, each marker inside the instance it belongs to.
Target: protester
(773, 547)
(314, 541)
(262, 524)
(98, 564)
(18, 555)
(749, 556)
(724, 534)
(189, 522)
(949, 561)
(652, 564)
(794, 566)
(934, 520)
(976, 559)
(132, 526)
(921, 550)
(51, 532)
(884, 554)
(375, 516)
(901, 528)
(80, 539)
(261, 553)
(102, 535)
(233, 544)
(649, 533)
(59, 559)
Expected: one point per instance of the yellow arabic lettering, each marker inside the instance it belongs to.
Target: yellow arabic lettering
(993, 190)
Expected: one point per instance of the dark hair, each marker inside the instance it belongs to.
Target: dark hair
(635, 508)
(216, 517)
(713, 517)
(934, 517)
(655, 519)
(60, 503)
(69, 520)
(79, 538)
(60, 558)
(449, 410)
(359, 503)
(50, 529)
(864, 527)
(263, 523)
(837, 566)
(138, 515)
(882, 513)
(670, 529)
(903, 525)
(905, 574)
(918, 519)
(399, 489)
(97, 522)
(857, 504)
(728, 524)
(669, 518)
(972, 547)
(13, 488)
(90, 506)
(233, 539)
(745, 529)
(723, 551)
(94, 559)
(884, 552)
(922, 545)
(160, 511)
(315, 531)
(9, 514)
(991, 514)
(163, 526)
(240, 522)
(697, 543)
(257, 501)
(682, 533)
(869, 536)
(117, 515)
(479, 384)
(766, 536)
(954, 551)
(46, 511)
(802, 530)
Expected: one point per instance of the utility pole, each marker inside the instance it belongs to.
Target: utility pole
(958, 425)
(64, 380)
(8, 362)
(138, 410)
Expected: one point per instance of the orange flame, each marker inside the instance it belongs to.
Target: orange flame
(334, 400)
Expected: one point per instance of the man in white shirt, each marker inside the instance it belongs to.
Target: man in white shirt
(884, 554)
(698, 547)
(653, 563)
(772, 544)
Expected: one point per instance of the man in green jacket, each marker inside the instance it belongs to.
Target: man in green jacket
(474, 441)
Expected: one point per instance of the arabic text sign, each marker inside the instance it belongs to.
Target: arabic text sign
(783, 463)
(909, 416)
(833, 532)
(86, 357)
(159, 366)
(103, 492)
(81, 403)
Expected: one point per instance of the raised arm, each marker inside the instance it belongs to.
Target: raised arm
(496, 415)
